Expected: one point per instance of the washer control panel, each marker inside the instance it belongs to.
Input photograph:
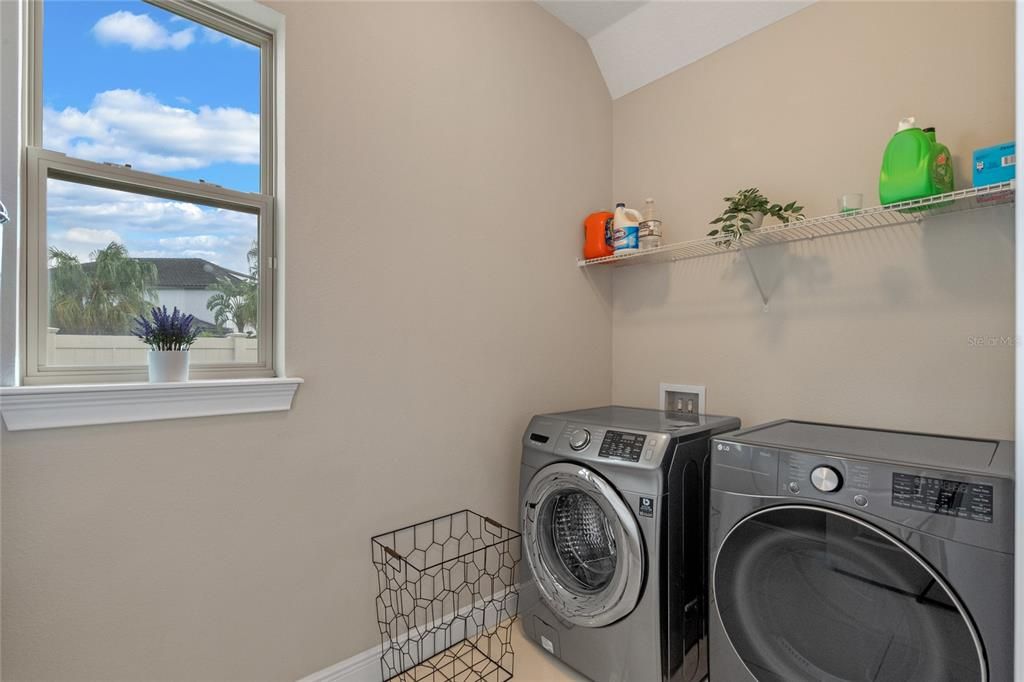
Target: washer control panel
(601, 443)
(579, 439)
(622, 445)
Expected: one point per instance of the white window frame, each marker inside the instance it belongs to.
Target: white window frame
(44, 165)
(242, 19)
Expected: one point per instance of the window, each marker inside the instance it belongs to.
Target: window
(150, 181)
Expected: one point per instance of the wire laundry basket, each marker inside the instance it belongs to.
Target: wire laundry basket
(447, 598)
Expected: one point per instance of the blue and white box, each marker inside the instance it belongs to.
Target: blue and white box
(994, 164)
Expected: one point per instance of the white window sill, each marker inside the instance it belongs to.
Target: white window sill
(51, 407)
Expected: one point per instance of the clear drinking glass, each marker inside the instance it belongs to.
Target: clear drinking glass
(851, 202)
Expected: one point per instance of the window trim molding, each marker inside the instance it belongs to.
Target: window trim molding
(42, 165)
(27, 408)
(13, 27)
(23, 39)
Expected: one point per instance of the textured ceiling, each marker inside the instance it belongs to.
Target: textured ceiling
(636, 43)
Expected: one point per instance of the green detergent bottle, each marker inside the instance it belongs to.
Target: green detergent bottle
(942, 164)
(914, 166)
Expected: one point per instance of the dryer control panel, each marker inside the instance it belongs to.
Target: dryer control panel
(942, 496)
(956, 505)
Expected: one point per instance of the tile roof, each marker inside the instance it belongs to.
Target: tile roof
(185, 273)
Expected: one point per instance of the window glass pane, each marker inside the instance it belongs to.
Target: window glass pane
(113, 255)
(130, 83)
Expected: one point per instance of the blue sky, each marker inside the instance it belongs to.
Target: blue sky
(127, 82)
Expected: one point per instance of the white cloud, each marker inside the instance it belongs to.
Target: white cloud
(85, 235)
(213, 256)
(81, 218)
(212, 36)
(140, 32)
(99, 207)
(199, 240)
(126, 126)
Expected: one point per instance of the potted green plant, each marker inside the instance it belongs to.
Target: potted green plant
(746, 211)
(169, 336)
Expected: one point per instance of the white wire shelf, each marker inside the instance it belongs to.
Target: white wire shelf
(913, 211)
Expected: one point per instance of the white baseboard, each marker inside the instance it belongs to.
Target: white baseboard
(365, 666)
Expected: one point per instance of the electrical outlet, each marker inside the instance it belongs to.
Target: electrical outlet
(683, 398)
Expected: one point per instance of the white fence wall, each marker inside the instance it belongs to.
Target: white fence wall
(74, 349)
(188, 301)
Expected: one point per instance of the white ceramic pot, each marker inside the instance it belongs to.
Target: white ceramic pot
(168, 365)
(756, 218)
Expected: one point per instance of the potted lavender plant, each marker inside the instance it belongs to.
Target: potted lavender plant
(169, 337)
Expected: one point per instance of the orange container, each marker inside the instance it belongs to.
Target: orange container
(597, 235)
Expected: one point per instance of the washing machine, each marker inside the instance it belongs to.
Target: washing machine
(842, 553)
(614, 519)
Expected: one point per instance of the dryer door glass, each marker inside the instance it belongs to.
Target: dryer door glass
(807, 593)
(582, 545)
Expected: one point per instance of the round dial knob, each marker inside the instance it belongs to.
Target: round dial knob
(826, 479)
(579, 439)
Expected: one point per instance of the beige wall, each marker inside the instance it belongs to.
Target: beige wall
(871, 328)
(439, 157)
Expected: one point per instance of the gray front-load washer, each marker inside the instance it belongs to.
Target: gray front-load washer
(613, 507)
(841, 553)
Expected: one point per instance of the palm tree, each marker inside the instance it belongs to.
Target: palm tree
(234, 302)
(237, 300)
(103, 298)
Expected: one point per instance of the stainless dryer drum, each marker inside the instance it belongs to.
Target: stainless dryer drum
(582, 544)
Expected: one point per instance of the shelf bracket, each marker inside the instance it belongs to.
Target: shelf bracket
(757, 280)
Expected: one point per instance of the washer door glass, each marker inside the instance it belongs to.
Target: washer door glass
(807, 593)
(582, 540)
(582, 545)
